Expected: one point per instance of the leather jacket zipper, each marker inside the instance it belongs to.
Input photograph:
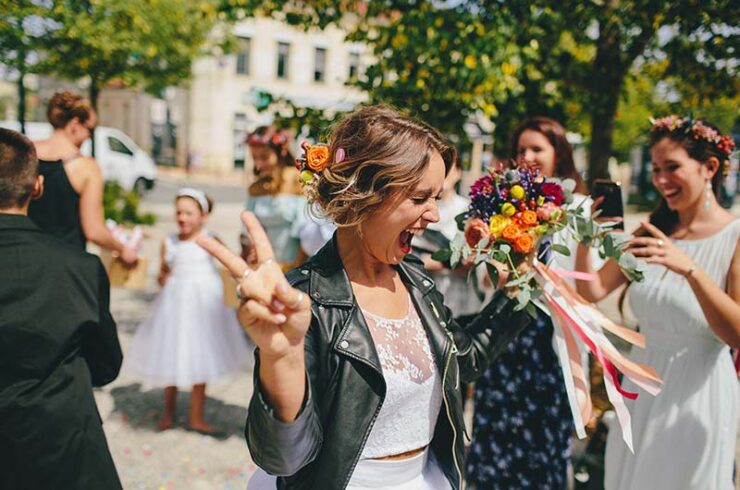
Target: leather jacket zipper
(453, 351)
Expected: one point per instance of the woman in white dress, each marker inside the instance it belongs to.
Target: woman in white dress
(688, 307)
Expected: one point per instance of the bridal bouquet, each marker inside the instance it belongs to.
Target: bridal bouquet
(512, 217)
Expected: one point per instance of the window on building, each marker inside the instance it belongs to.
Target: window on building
(243, 56)
(240, 132)
(319, 70)
(117, 146)
(283, 60)
(354, 65)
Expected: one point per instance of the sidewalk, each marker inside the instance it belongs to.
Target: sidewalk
(236, 177)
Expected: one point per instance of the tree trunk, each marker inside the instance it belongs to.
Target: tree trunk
(607, 77)
(93, 93)
(602, 129)
(22, 90)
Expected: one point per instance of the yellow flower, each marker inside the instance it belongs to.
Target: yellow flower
(517, 192)
(508, 209)
(497, 224)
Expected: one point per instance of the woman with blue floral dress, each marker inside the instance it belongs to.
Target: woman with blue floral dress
(522, 426)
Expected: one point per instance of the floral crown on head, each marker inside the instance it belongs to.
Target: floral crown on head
(694, 128)
(272, 137)
(315, 159)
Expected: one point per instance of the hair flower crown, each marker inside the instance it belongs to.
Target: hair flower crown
(315, 159)
(694, 128)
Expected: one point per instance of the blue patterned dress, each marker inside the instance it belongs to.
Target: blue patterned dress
(522, 425)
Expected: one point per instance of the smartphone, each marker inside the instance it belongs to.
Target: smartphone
(612, 206)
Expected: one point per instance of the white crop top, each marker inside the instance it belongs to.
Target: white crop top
(413, 397)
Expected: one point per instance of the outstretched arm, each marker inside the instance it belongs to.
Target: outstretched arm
(92, 217)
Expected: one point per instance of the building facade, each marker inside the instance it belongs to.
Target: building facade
(220, 104)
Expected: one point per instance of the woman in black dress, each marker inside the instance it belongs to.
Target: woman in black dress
(71, 207)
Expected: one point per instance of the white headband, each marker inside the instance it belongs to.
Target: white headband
(198, 195)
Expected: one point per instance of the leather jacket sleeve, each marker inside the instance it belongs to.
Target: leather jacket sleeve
(487, 335)
(283, 448)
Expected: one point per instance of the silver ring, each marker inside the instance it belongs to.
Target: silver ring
(239, 294)
(660, 243)
(266, 261)
(297, 301)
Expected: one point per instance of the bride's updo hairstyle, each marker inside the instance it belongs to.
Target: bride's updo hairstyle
(65, 106)
(375, 153)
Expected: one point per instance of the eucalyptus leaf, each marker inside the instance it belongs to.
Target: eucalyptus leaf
(568, 185)
(442, 255)
(561, 249)
(483, 243)
(460, 220)
(455, 257)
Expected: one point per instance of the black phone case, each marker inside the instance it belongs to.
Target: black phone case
(612, 206)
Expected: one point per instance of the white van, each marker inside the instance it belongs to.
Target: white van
(120, 159)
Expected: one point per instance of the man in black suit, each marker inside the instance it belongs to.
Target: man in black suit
(57, 341)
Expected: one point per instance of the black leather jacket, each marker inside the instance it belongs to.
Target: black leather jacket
(345, 385)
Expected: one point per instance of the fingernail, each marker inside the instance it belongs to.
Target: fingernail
(277, 305)
(280, 318)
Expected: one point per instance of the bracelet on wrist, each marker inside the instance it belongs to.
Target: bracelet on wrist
(690, 271)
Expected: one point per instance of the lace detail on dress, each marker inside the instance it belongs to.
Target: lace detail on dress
(413, 386)
(402, 345)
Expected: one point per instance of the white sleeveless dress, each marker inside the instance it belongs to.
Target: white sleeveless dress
(685, 437)
(189, 337)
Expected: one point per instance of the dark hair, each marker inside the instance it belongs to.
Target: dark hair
(699, 149)
(565, 168)
(18, 169)
(65, 106)
(278, 140)
(385, 153)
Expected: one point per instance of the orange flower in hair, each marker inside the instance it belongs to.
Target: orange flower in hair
(317, 157)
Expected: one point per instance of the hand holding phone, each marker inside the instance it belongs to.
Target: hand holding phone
(611, 205)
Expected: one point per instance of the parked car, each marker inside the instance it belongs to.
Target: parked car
(119, 158)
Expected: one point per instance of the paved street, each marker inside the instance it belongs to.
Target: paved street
(179, 459)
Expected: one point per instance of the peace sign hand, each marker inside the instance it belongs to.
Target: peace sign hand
(275, 315)
(657, 248)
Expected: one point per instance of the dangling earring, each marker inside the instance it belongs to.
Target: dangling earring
(708, 195)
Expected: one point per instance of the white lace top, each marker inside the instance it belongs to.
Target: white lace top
(414, 391)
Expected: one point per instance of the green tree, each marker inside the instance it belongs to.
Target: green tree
(566, 58)
(139, 42)
(18, 41)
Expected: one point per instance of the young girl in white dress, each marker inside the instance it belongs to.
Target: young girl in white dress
(190, 337)
(688, 307)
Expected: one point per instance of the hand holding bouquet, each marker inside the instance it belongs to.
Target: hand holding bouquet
(512, 217)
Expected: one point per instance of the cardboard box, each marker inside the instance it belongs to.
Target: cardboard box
(122, 276)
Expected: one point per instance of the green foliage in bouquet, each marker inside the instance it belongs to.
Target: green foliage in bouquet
(511, 214)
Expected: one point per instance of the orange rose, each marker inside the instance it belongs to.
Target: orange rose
(317, 157)
(475, 231)
(523, 243)
(527, 218)
(511, 232)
